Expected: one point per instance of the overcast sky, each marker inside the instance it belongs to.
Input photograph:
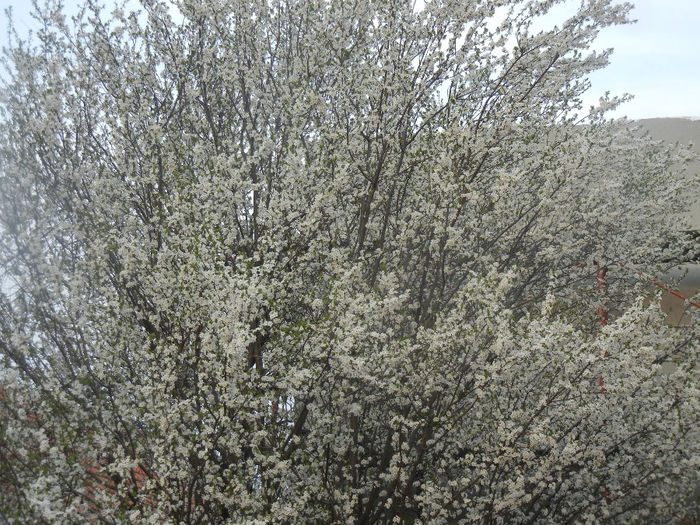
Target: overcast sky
(657, 59)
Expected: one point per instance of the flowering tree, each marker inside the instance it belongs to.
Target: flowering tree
(321, 261)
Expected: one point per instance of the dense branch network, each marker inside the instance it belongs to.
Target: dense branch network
(326, 261)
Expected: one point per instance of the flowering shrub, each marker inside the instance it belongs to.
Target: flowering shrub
(322, 261)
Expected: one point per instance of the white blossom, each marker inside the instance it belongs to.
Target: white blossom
(333, 262)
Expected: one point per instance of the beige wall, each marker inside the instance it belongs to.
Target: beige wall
(683, 131)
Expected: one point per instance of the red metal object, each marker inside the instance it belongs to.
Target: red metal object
(602, 287)
(662, 286)
(601, 272)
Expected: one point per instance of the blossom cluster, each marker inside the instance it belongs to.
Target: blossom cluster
(317, 261)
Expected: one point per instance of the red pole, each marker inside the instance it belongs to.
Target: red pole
(601, 273)
(662, 286)
(602, 287)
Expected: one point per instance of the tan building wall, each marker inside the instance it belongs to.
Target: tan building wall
(684, 131)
